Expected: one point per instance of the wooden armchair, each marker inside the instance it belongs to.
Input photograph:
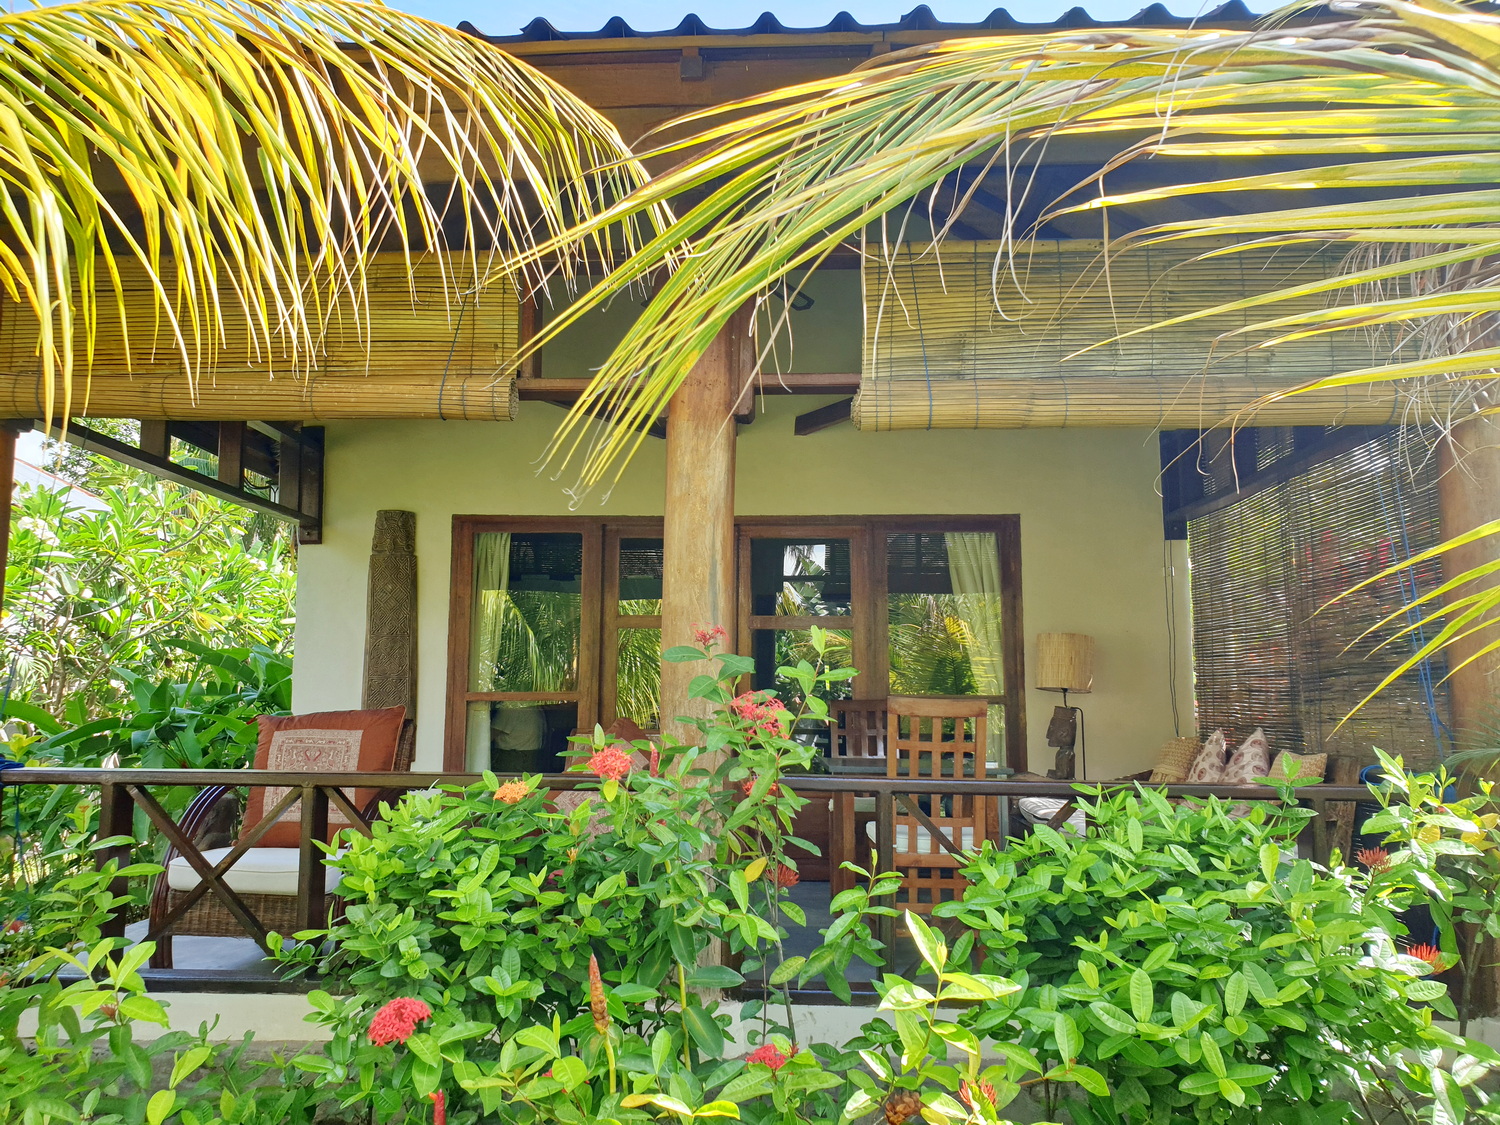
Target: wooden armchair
(265, 879)
(935, 738)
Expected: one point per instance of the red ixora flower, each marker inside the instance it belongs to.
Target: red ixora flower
(710, 636)
(967, 1090)
(1429, 953)
(395, 1022)
(611, 763)
(761, 710)
(767, 1055)
(655, 762)
(439, 1108)
(782, 875)
(1376, 859)
(748, 786)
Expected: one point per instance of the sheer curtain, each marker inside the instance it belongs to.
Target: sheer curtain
(491, 585)
(974, 566)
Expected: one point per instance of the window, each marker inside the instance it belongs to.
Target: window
(556, 623)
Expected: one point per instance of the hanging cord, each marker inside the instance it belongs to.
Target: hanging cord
(463, 307)
(916, 292)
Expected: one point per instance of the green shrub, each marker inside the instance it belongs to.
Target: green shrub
(1183, 952)
(83, 1062)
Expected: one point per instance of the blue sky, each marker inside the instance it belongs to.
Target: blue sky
(504, 17)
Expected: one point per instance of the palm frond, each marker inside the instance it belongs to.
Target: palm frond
(252, 154)
(792, 175)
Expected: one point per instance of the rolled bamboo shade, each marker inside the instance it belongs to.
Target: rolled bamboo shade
(417, 350)
(228, 398)
(1065, 662)
(952, 341)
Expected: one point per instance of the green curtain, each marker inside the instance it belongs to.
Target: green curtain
(491, 596)
(974, 566)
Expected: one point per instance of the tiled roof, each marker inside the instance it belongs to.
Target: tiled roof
(919, 18)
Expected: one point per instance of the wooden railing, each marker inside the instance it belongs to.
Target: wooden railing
(124, 790)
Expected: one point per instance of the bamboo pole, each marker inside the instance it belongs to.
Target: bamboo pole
(1172, 402)
(698, 530)
(250, 397)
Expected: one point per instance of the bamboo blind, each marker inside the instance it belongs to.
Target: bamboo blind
(1268, 648)
(421, 348)
(952, 340)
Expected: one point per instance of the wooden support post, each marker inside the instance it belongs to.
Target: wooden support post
(155, 439)
(116, 819)
(312, 899)
(232, 453)
(698, 529)
(1468, 496)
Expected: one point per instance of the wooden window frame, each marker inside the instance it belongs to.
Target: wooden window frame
(601, 621)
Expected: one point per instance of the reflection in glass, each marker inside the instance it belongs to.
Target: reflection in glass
(528, 606)
(799, 577)
(945, 619)
(640, 576)
(782, 648)
(638, 677)
(520, 736)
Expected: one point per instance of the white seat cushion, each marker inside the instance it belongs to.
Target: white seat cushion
(861, 804)
(1039, 810)
(925, 842)
(260, 871)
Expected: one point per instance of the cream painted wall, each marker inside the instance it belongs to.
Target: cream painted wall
(1092, 552)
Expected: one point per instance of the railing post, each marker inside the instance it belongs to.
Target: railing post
(311, 874)
(885, 853)
(116, 818)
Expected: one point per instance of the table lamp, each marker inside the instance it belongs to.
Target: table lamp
(1065, 662)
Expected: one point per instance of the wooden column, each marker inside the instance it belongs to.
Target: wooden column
(698, 536)
(1468, 496)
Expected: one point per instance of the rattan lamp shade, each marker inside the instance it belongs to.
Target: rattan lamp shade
(1065, 662)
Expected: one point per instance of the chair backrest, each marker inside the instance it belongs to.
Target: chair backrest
(935, 737)
(857, 728)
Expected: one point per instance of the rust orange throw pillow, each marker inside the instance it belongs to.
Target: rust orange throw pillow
(326, 742)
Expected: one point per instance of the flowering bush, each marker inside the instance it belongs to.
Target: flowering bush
(556, 947)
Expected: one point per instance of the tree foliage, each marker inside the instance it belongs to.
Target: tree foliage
(98, 596)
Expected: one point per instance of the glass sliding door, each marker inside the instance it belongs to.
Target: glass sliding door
(945, 620)
(632, 629)
(526, 662)
(792, 579)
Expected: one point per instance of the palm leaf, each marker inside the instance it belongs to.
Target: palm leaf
(252, 154)
(785, 178)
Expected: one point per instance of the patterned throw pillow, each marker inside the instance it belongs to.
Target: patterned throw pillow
(327, 742)
(1208, 766)
(1250, 761)
(1309, 766)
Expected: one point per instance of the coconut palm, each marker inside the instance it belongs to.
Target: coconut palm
(252, 154)
(1397, 95)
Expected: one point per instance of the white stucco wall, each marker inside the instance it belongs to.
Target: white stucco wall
(1091, 535)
